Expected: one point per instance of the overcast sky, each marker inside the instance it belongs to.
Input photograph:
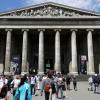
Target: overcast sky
(93, 5)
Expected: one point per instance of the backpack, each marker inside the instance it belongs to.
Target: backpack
(47, 87)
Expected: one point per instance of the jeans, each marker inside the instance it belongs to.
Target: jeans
(33, 87)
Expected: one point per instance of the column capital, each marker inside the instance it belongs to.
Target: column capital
(25, 30)
(57, 30)
(8, 30)
(41, 29)
(90, 30)
(73, 30)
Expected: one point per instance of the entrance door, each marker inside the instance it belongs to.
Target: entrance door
(33, 64)
(48, 64)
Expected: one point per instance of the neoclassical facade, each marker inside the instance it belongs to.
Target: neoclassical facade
(50, 36)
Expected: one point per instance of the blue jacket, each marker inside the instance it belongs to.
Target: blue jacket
(22, 90)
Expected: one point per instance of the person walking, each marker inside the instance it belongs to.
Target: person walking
(15, 83)
(23, 92)
(75, 83)
(48, 86)
(52, 92)
(68, 80)
(95, 82)
(33, 84)
(63, 87)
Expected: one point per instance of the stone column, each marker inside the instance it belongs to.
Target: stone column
(41, 51)
(24, 51)
(74, 52)
(8, 52)
(99, 68)
(57, 66)
(90, 52)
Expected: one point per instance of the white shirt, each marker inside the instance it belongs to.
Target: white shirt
(6, 81)
(15, 82)
(90, 80)
(33, 80)
(1, 83)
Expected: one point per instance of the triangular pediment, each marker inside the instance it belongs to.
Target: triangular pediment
(49, 9)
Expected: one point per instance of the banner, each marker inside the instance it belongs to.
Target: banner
(15, 65)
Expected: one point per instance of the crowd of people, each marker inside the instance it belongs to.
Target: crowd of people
(23, 87)
(50, 85)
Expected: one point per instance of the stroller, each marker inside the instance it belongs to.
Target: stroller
(90, 81)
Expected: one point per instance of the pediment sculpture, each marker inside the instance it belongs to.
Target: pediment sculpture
(46, 11)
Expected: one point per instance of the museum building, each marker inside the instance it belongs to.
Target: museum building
(50, 36)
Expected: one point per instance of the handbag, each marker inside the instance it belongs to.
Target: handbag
(63, 87)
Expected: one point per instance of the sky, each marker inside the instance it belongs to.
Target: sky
(7, 5)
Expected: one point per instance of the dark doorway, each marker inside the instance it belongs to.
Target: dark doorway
(82, 52)
(83, 65)
(48, 64)
(34, 64)
(33, 43)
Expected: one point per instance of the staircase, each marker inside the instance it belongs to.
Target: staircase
(82, 77)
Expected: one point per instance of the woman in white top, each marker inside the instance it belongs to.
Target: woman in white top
(15, 83)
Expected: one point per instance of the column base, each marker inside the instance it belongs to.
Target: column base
(23, 73)
(40, 73)
(90, 73)
(7, 73)
(73, 73)
(58, 72)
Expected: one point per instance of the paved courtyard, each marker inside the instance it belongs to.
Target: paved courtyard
(81, 94)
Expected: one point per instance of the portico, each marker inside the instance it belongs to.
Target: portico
(64, 42)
